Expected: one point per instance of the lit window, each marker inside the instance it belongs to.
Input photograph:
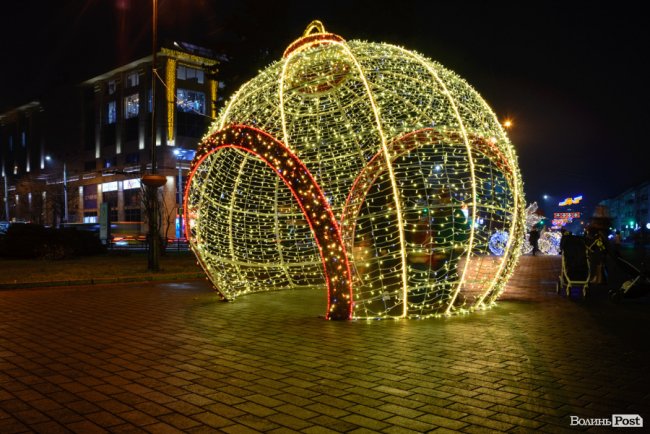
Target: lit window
(112, 86)
(109, 186)
(190, 101)
(110, 162)
(132, 80)
(112, 113)
(187, 73)
(131, 106)
(131, 183)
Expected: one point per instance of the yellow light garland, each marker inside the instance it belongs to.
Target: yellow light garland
(170, 85)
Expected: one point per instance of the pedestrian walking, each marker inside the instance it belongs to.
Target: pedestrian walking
(533, 238)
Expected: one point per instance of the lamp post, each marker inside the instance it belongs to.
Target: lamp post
(6, 197)
(153, 181)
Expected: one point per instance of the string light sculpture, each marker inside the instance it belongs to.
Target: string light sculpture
(532, 219)
(526, 247)
(364, 168)
(549, 243)
(498, 242)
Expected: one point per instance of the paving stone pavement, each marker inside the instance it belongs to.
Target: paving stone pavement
(170, 357)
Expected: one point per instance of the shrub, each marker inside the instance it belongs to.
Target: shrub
(35, 241)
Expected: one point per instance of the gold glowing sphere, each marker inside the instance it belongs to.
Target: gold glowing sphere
(362, 168)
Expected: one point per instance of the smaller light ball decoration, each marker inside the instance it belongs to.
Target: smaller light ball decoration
(362, 168)
(549, 242)
(498, 242)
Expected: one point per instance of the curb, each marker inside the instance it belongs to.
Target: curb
(100, 281)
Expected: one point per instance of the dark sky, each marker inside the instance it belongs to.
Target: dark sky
(571, 75)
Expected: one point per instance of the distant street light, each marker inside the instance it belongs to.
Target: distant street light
(546, 197)
(507, 124)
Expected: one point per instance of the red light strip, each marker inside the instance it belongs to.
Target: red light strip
(302, 185)
(312, 41)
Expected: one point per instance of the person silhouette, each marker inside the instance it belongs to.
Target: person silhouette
(533, 238)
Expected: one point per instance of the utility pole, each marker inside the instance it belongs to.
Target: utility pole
(153, 181)
(6, 198)
(65, 193)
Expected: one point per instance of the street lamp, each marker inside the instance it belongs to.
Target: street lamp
(153, 181)
(65, 189)
(6, 197)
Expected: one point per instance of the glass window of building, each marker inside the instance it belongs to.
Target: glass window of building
(112, 86)
(90, 217)
(190, 101)
(110, 162)
(130, 184)
(132, 215)
(132, 197)
(131, 106)
(187, 73)
(109, 186)
(111, 112)
(132, 79)
(132, 158)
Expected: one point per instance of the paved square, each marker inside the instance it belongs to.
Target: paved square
(170, 357)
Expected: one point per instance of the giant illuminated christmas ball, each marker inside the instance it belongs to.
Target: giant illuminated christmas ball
(362, 168)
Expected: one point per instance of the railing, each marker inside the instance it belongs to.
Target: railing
(140, 243)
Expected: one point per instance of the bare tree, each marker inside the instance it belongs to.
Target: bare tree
(165, 212)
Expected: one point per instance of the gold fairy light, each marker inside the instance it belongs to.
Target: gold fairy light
(363, 168)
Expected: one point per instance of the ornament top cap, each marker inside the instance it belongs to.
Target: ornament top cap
(313, 36)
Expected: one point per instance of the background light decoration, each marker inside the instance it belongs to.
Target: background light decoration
(549, 243)
(498, 242)
(363, 168)
(531, 219)
(526, 247)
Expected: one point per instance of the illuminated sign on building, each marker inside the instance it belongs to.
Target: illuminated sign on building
(571, 201)
(566, 215)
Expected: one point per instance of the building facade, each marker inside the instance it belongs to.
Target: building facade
(630, 211)
(22, 159)
(61, 165)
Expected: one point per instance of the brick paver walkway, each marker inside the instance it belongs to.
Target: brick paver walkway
(169, 357)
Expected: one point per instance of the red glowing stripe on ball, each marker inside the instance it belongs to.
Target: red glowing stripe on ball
(293, 172)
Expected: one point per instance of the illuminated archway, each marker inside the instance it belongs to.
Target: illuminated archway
(309, 197)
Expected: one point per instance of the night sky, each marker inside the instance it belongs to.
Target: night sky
(572, 77)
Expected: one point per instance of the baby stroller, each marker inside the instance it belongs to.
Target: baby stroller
(576, 270)
(637, 286)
